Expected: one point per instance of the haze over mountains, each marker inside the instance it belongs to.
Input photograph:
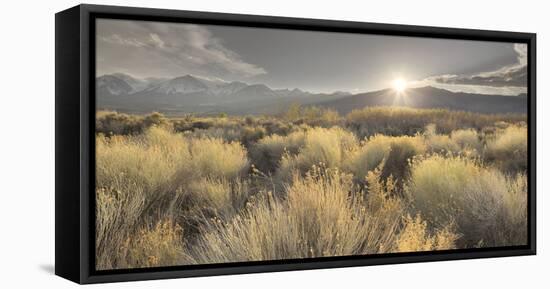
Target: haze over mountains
(193, 94)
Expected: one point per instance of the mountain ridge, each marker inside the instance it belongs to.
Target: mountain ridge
(195, 94)
(432, 97)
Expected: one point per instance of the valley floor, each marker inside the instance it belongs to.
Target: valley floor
(307, 183)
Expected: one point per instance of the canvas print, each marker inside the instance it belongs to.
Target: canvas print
(222, 144)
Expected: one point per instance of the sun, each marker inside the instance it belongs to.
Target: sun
(399, 85)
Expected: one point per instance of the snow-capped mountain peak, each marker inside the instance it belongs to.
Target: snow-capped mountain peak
(112, 85)
(181, 85)
(135, 83)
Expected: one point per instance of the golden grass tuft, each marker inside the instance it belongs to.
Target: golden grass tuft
(508, 150)
(144, 178)
(415, 237)
(393, 153)
(322, 147)
(158, 246)
(266, 155)
(460, 190)
(318, 218)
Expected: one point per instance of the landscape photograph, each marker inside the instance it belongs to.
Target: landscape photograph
(222, 144)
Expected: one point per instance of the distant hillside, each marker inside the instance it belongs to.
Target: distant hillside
(431, 97)
(193, 94)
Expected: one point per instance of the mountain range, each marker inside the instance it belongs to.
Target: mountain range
(194, 94)
(432, 97)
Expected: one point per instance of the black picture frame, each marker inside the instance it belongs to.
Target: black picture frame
(75, 142)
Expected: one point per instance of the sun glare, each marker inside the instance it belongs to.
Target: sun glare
(399, 85)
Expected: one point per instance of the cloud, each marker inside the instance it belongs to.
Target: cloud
(510, 78)
(117, 39)
(191, 48)
(521, 50)
(156, 40)
(504, 77)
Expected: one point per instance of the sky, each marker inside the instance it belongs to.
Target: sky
(312, 61)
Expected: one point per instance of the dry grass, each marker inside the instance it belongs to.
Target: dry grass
(319, 217)
(439, 143)
(457, 190)
(396, 121)
(508, 150)
(322, 147)
(392, 153)
(184, 191)
(312, 115)
(415, 237)
(268, 152)
(216, 158)
(117, 215)
(220, 196)
(158, 246)
(467, 139)
(144, 178)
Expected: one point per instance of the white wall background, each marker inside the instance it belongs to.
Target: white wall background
(27, 144)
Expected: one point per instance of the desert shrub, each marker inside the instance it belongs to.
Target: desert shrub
(230, 132)
(267, 152)
(501, 124)
(114, 123)
(512, 226)
(396, 165)
(466, 139)
(155, 119)
(150, 177)
(277, 127)
(500, 219)
(508, 150)
(459, 190)
(226, 134)
(316, 116)
(395, 121)
(110, 122)
(314, 191)
(148, 160)
(213, 184)
(250, 120)
(439, 143)
(134, 174)
(219, 197)
(251, 134)
(437, 186)
(389, 121)
(368, 156)
(312, 115)
(376, 151)
(153, 159)
(318, 218)
(118, 213)
(322, 147)
(413, 234)
(160, 245)
(183, 125)
(293, 112)
(416, 237)
(381, 193)
(201, 124)
(211, 157)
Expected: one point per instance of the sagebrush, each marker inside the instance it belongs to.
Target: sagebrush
(307, 183)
